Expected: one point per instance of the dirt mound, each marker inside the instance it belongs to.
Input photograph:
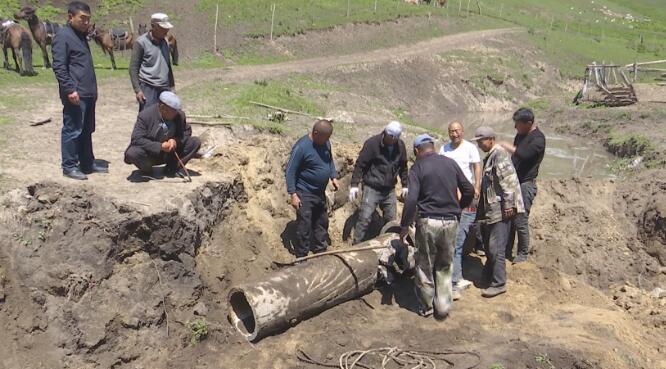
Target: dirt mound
(72, 252)
(586, 228)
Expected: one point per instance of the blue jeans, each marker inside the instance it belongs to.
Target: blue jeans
(387, 202)
(78, 125)
(466, 220)
(520, 224)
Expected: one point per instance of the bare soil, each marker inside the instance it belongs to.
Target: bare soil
(106, 274)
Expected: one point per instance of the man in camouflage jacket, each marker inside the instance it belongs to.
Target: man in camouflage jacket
(500, 201)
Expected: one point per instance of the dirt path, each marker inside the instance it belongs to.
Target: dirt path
(429, 47)
(32, 154)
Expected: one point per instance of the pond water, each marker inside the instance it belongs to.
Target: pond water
(566, 156)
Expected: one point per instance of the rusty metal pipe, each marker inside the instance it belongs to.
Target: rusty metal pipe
(301, 291)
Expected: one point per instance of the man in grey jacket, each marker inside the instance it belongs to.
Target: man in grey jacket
(150, 67)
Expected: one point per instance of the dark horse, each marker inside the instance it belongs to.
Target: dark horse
(171, 39)
(42, 32)
(110, 41)
(14, 36)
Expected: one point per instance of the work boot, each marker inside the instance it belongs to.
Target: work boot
(96, 168)
(74, 174)
(520, 258)
(493, 291)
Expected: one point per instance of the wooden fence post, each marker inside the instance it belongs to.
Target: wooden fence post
(272, 19)
(501, 10)
(217, 13)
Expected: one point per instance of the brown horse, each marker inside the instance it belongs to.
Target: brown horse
(110, 41)
(42, 32)
(14, 36)
(171, 39)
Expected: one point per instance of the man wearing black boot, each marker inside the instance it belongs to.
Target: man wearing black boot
(161, 135)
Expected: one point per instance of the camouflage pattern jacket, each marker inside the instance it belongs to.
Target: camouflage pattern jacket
(500, 188)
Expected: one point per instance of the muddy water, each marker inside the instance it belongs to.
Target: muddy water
(566, 156)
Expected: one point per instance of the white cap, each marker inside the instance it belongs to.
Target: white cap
(171, 100)
(161, 20)
(393, 129)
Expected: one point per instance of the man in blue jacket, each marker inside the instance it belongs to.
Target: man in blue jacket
(74, 70)
(308, 171)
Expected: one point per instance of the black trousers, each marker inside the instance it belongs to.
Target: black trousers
(494, 239)
(312, 224)
(144, 161)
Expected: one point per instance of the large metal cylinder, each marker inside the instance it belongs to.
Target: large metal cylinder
(298, 292)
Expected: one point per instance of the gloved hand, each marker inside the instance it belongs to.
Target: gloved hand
(353, 193)
(404, 193)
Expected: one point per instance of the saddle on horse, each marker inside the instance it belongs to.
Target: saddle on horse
(119, 34)
(51, 28)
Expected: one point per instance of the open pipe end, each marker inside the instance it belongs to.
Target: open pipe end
(242, 315)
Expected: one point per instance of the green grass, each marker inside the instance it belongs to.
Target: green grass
(253, 17)
(199, 330)
(630, 144)
(294, 93)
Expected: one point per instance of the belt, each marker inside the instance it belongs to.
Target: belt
(533, 181)
(439, 218)
(471, 208)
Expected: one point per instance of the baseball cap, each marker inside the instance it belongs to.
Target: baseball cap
(394, 129)
(171, 100)
(423, 138)
(483, 132)
(161, 20)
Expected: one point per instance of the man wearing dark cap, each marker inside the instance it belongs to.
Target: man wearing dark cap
(150, 67)
(382, 159)
(161, 135)
(308, 171)
(434, 182)
(527, 151)
(499, 203)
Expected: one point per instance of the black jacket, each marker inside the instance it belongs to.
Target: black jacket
(73, 64)
(377, 168)
(147, 133)
(434, 182)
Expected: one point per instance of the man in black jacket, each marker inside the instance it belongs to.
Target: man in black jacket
(527, 151)
(381, 160)
(161, 131)
(74, 70)
(434, 183)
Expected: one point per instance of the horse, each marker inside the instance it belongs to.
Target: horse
(110, 41)
(42, 32)
(171, 39)
(16, 37)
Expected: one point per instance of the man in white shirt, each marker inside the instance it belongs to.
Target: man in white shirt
(466, 155)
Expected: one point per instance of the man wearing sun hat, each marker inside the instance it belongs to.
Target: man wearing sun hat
(500, 201)
(150, 67)
(434, 182)
(382, 159)
(160, 133)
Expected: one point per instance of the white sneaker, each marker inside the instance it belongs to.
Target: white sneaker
(463, 284)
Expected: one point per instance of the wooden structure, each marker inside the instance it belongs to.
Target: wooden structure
(648, 67)
(606, 84)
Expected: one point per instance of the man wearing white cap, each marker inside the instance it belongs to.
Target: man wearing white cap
(150, 67)
(161, 132)
(382, 159)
